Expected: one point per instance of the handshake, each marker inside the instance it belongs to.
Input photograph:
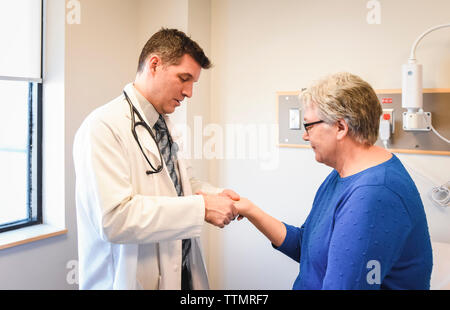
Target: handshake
(221, 209)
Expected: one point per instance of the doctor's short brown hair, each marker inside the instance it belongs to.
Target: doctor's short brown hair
(348, 97)
(171, 45)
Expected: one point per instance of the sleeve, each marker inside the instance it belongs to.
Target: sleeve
(105, 192)
(292, 243)
(198, 185)
(369, 232)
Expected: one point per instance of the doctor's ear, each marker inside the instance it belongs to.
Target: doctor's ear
(153, 62)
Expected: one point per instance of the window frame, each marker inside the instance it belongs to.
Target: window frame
(34, 170)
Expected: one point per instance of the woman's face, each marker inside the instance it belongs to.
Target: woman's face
(321, 136)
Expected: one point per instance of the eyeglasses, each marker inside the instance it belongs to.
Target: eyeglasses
(307, 125)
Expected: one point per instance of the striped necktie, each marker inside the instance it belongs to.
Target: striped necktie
(168, 151)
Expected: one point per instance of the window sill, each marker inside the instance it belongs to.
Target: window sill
(29, 234)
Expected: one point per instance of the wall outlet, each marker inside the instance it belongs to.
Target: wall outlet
(388, 114)
(294, 119)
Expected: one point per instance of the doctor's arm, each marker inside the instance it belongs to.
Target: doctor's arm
(104, 187)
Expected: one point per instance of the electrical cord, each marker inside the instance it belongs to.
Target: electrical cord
(438, 195)
(412, 56)
(434, 130)
(441, 195)
(438, 134)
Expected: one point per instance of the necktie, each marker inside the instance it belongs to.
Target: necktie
(168, 151)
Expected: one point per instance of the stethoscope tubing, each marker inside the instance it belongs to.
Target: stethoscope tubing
(141, 122)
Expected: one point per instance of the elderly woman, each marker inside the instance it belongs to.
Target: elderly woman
(367, 227)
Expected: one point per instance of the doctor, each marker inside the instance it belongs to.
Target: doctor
(139, 221)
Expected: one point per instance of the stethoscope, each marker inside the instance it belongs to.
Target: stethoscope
(142, 123)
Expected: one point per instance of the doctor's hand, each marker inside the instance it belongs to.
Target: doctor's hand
(219, 209)
(233, 195)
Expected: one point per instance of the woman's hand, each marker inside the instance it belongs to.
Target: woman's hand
(245, 208)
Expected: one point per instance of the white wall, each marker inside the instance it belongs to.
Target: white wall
(261, 47)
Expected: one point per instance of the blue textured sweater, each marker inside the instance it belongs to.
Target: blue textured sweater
(365, 231)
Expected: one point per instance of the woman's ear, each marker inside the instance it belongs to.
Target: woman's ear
(342, 127)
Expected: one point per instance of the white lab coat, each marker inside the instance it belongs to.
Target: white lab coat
(120, 208)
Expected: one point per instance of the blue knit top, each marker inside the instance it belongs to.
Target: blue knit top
(365, 231)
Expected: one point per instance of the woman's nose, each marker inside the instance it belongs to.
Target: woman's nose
(305, 136)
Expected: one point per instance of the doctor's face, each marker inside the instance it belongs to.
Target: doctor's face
(172, 83)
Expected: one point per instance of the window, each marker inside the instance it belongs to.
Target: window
(21, 25)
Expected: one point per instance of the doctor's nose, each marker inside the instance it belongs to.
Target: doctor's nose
(187, 91)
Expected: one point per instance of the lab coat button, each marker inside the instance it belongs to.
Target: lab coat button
(175, 267)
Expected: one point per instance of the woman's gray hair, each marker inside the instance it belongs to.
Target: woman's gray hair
(348, 97)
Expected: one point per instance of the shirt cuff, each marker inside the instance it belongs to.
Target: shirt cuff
(289, 240)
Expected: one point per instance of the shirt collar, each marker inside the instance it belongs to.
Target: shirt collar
(149, 110)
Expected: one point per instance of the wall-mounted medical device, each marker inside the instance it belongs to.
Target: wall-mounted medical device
(415, 118)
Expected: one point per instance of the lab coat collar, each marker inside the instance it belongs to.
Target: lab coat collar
(144, 107)
(146, 141)
(149, 113)
(149, 110)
